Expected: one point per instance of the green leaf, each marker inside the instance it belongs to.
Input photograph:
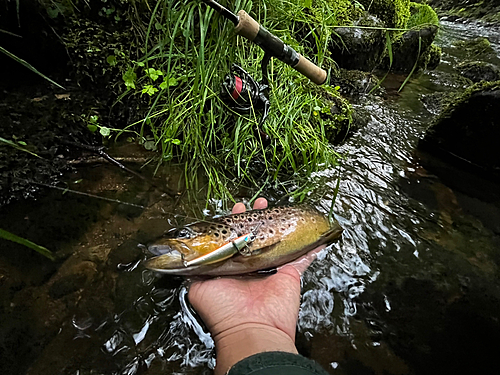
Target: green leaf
(153, 73)
(111, 60)
(149, 89)
(22, 143)
(176, 141)
(170, 83)
(92, 128)
(105, 131)
(129, 78)
(40, 249)
(150, 145)
(16, 146)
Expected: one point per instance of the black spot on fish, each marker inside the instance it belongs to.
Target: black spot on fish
(271, 231)
(216, 234)
(250, 220)
(220, 226)
(270, 218)
(224, 231)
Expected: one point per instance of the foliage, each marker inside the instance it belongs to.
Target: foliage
(188, 49)
(39, 249)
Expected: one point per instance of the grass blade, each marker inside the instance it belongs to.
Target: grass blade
(414, 66)
(39, 249)
(16, 146)
(29, 66)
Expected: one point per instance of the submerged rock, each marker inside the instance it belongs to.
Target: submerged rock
(467, 132)
(476, 49)
(478, 71)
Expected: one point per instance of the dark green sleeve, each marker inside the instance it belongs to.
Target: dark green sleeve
(276, 363)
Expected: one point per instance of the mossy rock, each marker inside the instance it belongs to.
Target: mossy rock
(394, 13)
(485, 10)
(467, 131)
(359, 48)
(412, 50)
(478, 71)
(421, 14)
(353, 82)
(476, 49)
(336, 114)
(434, 57)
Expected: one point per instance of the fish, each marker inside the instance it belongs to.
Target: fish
(242, 243)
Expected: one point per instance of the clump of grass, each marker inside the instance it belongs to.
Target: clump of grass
(189, 48)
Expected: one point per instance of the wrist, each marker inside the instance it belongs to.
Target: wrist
(248, 339)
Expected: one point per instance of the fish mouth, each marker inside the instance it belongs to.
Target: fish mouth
(168, 247)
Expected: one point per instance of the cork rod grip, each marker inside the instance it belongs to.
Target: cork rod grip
(311, 70)
(247, 26)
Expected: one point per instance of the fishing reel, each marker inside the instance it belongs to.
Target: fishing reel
(242, 93)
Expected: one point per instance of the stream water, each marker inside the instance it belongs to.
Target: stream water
(412, 287)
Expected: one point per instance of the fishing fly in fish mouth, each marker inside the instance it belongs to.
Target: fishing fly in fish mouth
(242, 242)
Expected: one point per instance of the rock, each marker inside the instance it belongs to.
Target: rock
(359, 48)
(71, 279)
(394, 13)
(467, 132)
(354, 82)
(486, 10)
(476, 49)
(414, 47)
(478, 71)
(434, 57)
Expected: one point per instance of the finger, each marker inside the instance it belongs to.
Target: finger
(238, 208)
(301, 264)
(260, 203)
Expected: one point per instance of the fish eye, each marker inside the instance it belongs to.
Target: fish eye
(180, 233)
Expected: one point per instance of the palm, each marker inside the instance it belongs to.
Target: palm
(228, 302)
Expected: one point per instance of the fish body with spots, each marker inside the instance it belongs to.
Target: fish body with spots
(279, 235)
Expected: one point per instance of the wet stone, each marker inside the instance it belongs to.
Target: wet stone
(66, 285)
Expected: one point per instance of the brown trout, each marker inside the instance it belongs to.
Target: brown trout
(242, 243)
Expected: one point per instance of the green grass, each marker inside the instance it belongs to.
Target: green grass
(189, 49)
(39, 249)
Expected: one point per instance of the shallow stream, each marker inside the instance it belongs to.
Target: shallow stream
(412, 288)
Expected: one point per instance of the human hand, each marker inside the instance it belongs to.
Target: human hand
(249, 315)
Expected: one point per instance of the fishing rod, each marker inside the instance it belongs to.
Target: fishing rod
(239, 89)
(273, 46)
